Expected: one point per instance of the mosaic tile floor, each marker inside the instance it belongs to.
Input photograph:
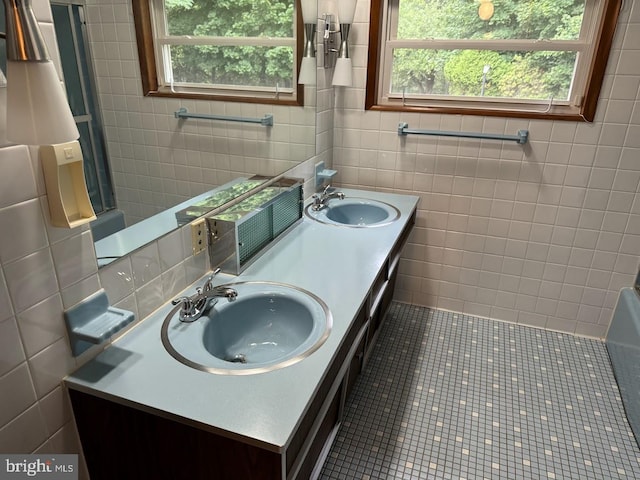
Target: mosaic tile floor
(448, 396)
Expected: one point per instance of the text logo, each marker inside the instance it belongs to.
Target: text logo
(49, 467)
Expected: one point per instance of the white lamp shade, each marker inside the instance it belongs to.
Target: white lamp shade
(37, 109)
(346, 11)
(309, 11)
(343, 75)
(307, 74)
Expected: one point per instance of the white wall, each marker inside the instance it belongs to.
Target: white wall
(543, 235)
(45, 270)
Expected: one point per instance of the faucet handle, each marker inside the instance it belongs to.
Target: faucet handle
(208, 284)
(187, 306)
(326, 189)
(189, 312)
(182, 300)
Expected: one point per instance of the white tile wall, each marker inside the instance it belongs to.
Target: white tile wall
(44, 270)
(41, 325)
(18, 382)
(26, 432)
(543, 235)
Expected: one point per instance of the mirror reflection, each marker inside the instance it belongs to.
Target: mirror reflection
(143, 165)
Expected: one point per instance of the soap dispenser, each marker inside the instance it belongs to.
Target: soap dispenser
(69, 203)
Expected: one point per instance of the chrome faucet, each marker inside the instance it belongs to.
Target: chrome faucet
(320, 201)
(193, 307)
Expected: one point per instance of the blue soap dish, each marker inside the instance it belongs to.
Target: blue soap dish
(93, 322)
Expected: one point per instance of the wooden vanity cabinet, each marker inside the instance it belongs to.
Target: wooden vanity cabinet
(129, 442)
(122, 442)
(125, 442)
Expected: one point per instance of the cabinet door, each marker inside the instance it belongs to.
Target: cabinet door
(324, 437)
(355, 368)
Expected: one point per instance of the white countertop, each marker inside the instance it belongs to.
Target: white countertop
(338, 264)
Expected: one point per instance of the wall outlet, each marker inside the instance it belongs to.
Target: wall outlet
(198, 236)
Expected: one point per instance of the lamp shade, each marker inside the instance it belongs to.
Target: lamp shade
(307, 74)
(343, 75)
(37, 108)
(309, 11)
(346, 10)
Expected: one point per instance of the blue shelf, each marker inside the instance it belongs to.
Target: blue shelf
(93, 322)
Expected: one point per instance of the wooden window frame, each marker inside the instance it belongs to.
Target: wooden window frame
(585, 112)
(149, 70)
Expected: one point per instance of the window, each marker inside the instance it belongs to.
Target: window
(241, 50)
(527, 58)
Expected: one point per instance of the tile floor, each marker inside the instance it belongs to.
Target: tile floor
(449, 396)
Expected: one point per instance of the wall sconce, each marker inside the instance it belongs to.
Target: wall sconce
(329, 40)
(343, 75)
(307, 74)
(37, 109)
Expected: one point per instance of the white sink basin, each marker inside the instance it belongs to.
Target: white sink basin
(268, 326)
(355, 212)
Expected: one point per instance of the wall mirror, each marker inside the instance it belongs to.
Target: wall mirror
(143, 164)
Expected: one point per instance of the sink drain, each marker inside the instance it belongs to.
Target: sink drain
(239, 358)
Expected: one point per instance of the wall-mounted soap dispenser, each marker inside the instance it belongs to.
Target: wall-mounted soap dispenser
(69, 203)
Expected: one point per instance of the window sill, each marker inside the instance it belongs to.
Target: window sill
(286, 100)
(556, 113)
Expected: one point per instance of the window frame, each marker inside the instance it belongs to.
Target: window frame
(589, 91)
(146, 45)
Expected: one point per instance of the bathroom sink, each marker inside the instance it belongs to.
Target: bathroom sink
(268, 326)
(355, 212)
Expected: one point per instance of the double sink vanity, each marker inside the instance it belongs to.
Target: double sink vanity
(255, 386)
